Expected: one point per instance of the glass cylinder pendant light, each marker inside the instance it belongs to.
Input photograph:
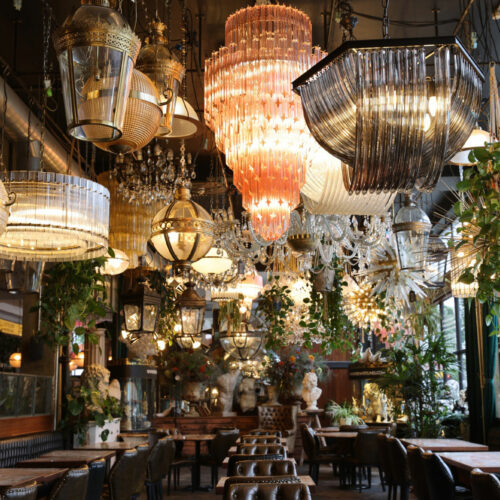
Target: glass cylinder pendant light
(55, 218)
(412, 228)
(437, 259)
(163, 68)
(257, 120)
(393, 110)
(96, 50)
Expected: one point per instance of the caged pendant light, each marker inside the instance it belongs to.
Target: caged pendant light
(257, 120)
(96, 50)
(394, 111)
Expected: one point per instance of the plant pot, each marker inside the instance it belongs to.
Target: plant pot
(345, 421)
(93, 433)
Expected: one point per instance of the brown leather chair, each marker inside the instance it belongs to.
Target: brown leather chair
(484, 485)
(141, 467)
(261, 449)
(235, 459)
(260, 440)
(417, 472)
(385, 462)
(27, 492)
(400, 472)
(72, 486)
(159, 461)
(258, 480)
(122, 476)
(263, 491)
(281, 417)
(250, 468)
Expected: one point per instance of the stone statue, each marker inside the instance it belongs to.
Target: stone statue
(376, 409)
(310, 391)
(272, 395)
(356, 409)
(247, 396)
(226, 384)
(193, 391)
(96, 377)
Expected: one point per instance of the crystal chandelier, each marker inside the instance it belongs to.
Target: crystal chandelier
(96, 49)
(157, 62)
(5, 202)
(152, 174)
(256, 119)
(416, 100)
(55, 218)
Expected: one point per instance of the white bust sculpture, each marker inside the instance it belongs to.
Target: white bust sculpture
(247, 396)
(310, 391)
(226, 384)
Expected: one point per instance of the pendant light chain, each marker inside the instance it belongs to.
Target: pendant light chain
(385, 19)
(46, 79)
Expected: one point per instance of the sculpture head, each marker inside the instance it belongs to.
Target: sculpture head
(310, 381)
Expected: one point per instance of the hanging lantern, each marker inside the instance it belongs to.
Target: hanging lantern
(141, 304)
(129, 224)
(394, 110)
(476, 140)
(412, 228)
(186, 123)
(324, 192)
(142, 117)
(157, 62)
(192, 312)
(117, 264)
(461, 259)
(250, 286)
(216, 261)
(435, 268)
(182, 232)
(256, 119)
(96, 49)
(55, 218)
(242, 345)
(15, 360)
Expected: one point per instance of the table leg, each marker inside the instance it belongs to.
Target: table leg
(197, 465)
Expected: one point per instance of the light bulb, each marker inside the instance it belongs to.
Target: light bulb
(196, 344)
(161, 345)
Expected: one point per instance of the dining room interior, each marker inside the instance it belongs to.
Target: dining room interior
(249, 249)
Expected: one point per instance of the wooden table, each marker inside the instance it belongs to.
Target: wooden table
(487, 461)
(338, 434)
(15, 477)
(67, 458)
(307, 480)
(118, 446)
(438, 445)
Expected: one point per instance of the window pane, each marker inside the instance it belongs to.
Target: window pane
(449, 323)
(461, 324)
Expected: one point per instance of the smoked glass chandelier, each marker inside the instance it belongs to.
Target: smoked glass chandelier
(55, 218)
(394, 111)
(96, 49)
(257, 120)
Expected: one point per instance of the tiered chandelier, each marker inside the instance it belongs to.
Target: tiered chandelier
(257, 120)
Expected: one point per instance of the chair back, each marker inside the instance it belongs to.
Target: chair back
(141, 468)
(260, 439)
(251, 468)
(258, 480)
(439, 478)
(265, 432)
(310, 443)
(268, 491)
(159, 459)
(365, 448)
(220, 445)
(97, 475)
(72, 486)
(417, 472)
(384, 455)
(484, 485)
(261, 449)
(235, 459)
(27, 492)
(280, 417)
(398, 460)
(122, 475)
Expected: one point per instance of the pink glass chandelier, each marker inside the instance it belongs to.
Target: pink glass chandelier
(257, 120)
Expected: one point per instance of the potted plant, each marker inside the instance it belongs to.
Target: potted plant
(343, 414)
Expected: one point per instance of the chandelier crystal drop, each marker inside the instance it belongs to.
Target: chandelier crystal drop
(394, 111)
(4, 207)
(55, 218)
(257, 120)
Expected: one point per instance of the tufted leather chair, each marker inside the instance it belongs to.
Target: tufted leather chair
(265, 432)
(417, 472)
(260, 440)
(250, 468)
(27, 492)
(72, 486)
(97, 475)
(235, 459)
(263, 491)
(261, 449)
(398, 461)
(385, 462)
(484, 485)
(258, 480)
(143, 451)
(281, 417)
(17, 449)
(218, 450)
(159, 460)
(122, 476)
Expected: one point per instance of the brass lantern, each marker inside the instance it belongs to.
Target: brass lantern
(183, 232)
(141, 304)
(243, 343)
(192, 311)
(96, 49)
(157, 62)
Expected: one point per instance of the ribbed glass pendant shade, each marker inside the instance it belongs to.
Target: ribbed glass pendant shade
(55, 218)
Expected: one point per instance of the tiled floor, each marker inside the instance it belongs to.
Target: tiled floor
(328, 488)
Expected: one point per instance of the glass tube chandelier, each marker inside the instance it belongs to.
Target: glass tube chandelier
(55, 218)
(394, 111)
(257, 120)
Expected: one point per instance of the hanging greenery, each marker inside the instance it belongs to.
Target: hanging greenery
(230, 315)
(479, 213)
(73, 293)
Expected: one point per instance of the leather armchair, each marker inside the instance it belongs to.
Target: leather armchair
(258, 480)
(27, 492)
(484, 485)
(281, 417)
(263, 491)
(235, 459)
(252, 468)
(417, 472)
(261, 449)
(73, 485)
(260, 440)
